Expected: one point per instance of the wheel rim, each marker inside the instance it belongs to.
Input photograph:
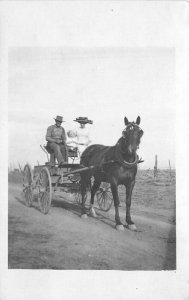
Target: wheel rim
(27, 183)
(45, 202)
(45, 194)
(104, 196)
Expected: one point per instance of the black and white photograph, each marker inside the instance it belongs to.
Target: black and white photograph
(108, 90)
(95, 123)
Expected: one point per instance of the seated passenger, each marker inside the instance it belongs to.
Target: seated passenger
(56, 141)
(82, 134)
(72, 138)
(72, 145)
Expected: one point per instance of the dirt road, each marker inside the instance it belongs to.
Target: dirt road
(62, 240)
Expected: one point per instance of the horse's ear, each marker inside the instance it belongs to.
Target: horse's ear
(138, 120)
(126, 121)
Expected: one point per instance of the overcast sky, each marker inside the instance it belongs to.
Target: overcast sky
(104, 61)
(104, 84)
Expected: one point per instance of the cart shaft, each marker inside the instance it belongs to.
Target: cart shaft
(79, 170)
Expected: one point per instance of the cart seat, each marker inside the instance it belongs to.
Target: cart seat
(52, 155)
(72, 152)
(48, 149)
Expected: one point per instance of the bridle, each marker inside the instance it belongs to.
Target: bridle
(118, 150)
(119, 157)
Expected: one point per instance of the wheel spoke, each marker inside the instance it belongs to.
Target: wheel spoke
(104, 196)
(99, 198)
(78, 197)
(105, 199)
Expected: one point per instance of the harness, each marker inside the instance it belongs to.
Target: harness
(120, 160)
(118, 156)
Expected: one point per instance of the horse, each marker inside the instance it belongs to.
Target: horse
(116, 165)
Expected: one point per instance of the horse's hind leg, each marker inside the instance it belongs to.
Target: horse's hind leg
(84, 183)
(94, 188)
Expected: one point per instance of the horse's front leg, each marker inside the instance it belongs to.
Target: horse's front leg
(119, 225)
(94, 188)
(129, 189)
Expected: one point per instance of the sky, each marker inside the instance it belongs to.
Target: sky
(101, 60)
(104, 84)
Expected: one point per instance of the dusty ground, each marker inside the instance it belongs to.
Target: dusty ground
(62, 240)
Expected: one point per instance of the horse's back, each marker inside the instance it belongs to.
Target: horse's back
(94, 154)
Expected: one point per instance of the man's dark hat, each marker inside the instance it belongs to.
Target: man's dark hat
(59, 118)
(83, 120)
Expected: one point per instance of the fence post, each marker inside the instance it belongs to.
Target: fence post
(21, 170)
(155, 166)
(170, 170)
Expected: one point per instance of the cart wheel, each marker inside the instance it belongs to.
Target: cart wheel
(104, 196)
(45, 191)
(27, 184)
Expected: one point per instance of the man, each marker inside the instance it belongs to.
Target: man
(82, 134)
(56, 141)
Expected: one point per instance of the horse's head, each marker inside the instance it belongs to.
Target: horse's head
(132, 135)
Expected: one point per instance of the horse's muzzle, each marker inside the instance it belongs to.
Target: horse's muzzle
(132, 149)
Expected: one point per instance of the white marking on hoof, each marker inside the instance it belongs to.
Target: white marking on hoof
(120, 227)
(132, 227)
(92, 213)
(84, 216)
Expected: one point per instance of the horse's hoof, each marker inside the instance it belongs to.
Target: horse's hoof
(132, 227)
(120, 227)
(84, 216)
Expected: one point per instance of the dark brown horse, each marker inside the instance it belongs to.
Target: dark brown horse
(116, 165)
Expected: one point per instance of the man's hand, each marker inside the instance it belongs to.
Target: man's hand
(59, 141)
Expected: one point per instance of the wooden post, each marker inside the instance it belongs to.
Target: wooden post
(155, 166)
(21, 171)
(170, 170)
(138, 170)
